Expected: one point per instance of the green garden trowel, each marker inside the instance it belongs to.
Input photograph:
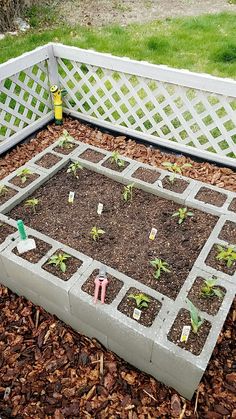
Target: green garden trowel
(24, 244)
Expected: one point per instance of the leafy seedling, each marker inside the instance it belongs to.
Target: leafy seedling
(24, 174)
(32, 203)
(209, 289)
(128, 192)
(196, 319)
(115, 158)
(96, 233)
(3, 190)
(59, 261)
(74, 167)
(176, 168)
(141, 300)
(160, 266)
(182, 213)
(66, 140)
(227, 254)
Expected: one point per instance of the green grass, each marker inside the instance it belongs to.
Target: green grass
(203, 44)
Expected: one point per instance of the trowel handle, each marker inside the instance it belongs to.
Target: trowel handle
(21, 229)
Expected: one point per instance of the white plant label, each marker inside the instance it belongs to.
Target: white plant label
(137, 314)
(160, 184)
(153, 233)
(100, 208)
(185, 333)
(71, 197)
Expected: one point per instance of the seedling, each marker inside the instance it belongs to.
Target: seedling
(196, 319)
(209, 289)
(227, 254)
(66, 140)
(3, 190)
(32, 203)
(175, 168)
(115, 158)
(141, 300)
(160, 266)
(74, 167)
(96, 233)
(59, 261)
(24, 174)
(182, 213)
(128, 192)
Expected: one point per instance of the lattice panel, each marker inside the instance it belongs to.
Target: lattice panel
(24, 98)
(190, 117)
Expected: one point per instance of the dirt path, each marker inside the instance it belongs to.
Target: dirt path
(105, 12)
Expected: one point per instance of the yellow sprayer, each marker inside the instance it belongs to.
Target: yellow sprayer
(57, 100)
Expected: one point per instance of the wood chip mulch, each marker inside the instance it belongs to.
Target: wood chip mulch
(47, 370)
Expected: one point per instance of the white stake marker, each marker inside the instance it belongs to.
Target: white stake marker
(71, 197)
(137, 314)
(100, 208)
(185, 334)
(153, 233)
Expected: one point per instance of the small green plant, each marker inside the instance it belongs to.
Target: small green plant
(141, 300)
(96, 233)
(59, 261)
(196, 319)
(209, 289)
(128, 192)
(115, 158)
(32, 203)
(66, 140)
(3, 190)
(160, 266)
(24, 174)
(182, 213)
(227, 254)
(176, 168)
(74, 167)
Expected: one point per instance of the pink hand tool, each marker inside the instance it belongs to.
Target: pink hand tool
(100, 281)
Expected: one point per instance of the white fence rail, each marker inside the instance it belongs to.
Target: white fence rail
(185, 111)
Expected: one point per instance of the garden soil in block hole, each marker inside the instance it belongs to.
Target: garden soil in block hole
(72, 265)
(113, 287)
(228, 232)
(125, 245)
(146, 175)
(65, 150)
(18, 182)
(4, 197)
(48, 160)
(178, 185)
(109, 164)
(232, 206)
(92, 155)
(34, 255)
(220, 265)
(211, 197)
(5, 230)
(211, 304)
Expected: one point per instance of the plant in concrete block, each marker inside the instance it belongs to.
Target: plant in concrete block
(115, 158)
(24, 174)
(175, 168)
(196, 319)
(59, 261)
(182, 214)
(96, 233)
(3, 190)
(32, 203)
(128, 192)
(141, 300)
(66, 140)
(160, 267)
(209, 289)
(227, 254)
(74, 167)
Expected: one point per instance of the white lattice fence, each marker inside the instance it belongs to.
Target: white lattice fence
(175, 108)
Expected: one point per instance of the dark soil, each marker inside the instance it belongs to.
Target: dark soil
(5, 230)
(65, 150)
(178, 186)
(113, 166)
(127, 306)
(125, 245)
(211, 197)
(72, 265)
(232, 206)
(34, 255)
(92, 155)
(220, 265)
(228, 232)
(113, 287)
(195, 341)
(7, 195)
(17, 180)
(146, 175)
(48, 160)
(210, 305)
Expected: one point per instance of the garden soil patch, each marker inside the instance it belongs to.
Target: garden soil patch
(228, 232)
(5, 230)
(146, 175)
(113, 287)
(178, 186)
(232, 206)
(48, 160)
(92, 155)
(210, 305)
(18, 182)
(7, 195)
(219, 265)
(65, 150)
(72, 265)
(113, 166)
(211, 197)
(125, 245)
(34, 255)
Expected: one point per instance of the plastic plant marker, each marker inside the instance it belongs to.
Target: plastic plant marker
(185, 333)
(100, 208)
(160, 184)
(137, 314)
(71, 197)
(153, 233)
(24, 244)
(100, 281)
